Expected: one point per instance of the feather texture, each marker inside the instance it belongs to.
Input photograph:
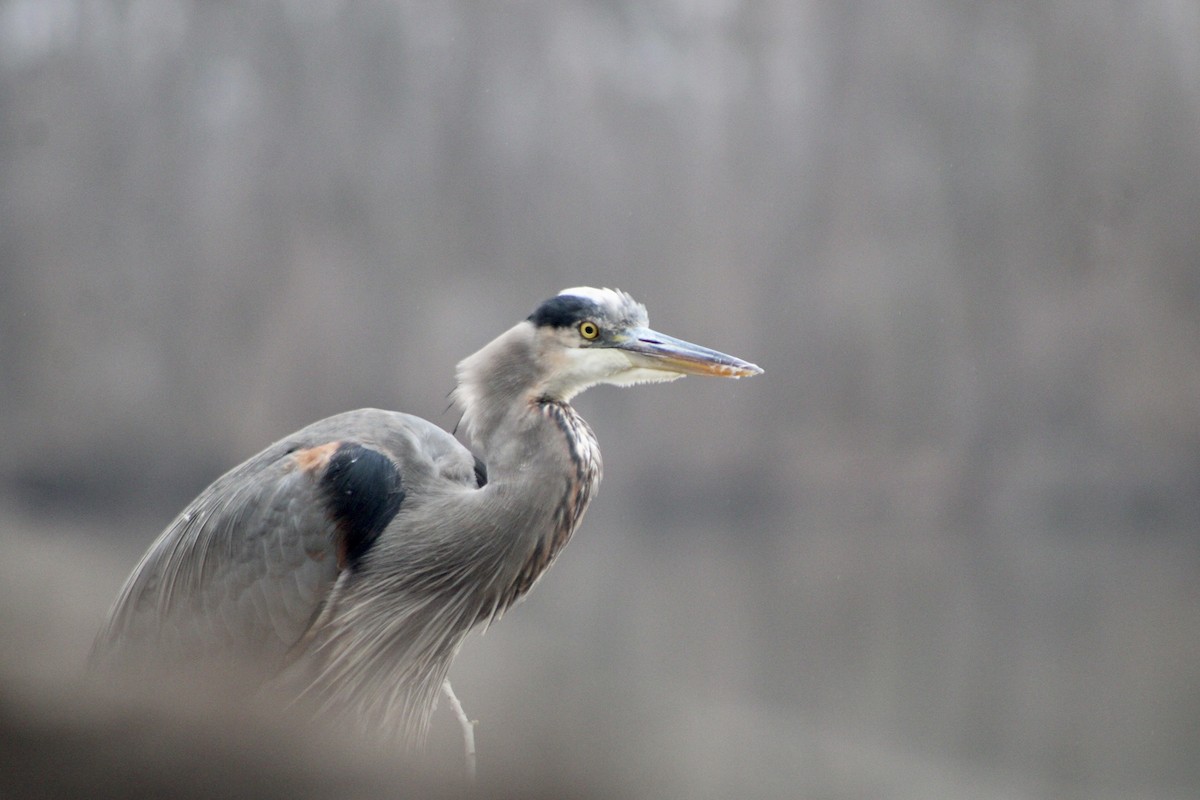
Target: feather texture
(345, 564)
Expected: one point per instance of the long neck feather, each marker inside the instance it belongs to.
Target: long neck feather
(542, 458)
(469, 556)
(496, 387)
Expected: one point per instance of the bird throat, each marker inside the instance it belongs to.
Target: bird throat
(581, 479)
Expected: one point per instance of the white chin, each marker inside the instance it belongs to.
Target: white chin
(632, 377)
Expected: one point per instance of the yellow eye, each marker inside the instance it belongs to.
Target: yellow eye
(589, 330)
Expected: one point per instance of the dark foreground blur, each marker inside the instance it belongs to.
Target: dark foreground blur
(69, 733)
(657, 687)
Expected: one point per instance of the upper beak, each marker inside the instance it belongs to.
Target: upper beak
(659, 351)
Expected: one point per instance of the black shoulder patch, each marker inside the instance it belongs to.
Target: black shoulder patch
(563, 311)
(364, 491)
(480, 473)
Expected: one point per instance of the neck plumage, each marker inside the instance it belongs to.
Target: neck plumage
(480, 552)
(542, 458)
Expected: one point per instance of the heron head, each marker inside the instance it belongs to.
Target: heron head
(585, 336)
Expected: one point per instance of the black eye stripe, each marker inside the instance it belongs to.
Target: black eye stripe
(564, 311)
(570, 311)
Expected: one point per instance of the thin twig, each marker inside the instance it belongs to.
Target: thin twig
(468, 727)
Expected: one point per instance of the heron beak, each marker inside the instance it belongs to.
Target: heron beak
(654, 350)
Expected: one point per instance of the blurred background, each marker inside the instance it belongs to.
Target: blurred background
(947, 546)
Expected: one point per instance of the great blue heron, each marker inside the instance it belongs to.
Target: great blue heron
(347, 562)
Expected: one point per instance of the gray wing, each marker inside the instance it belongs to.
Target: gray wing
(245, 569)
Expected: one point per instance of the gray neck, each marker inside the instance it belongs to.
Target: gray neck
(543, 462)
(496, 387)
(560, 483)
(468, 554)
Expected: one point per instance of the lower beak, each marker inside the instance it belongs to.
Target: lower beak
(653, 350)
